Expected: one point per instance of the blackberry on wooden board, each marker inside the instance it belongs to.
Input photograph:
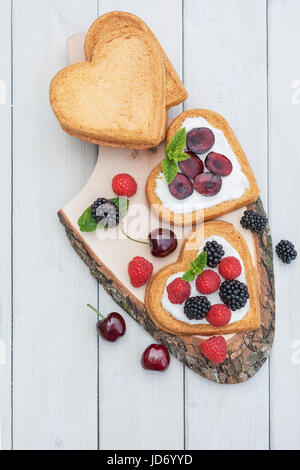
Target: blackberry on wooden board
(253, 221)
(105, 212)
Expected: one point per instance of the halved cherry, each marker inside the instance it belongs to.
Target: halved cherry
(191, 167)
(208, 184)
(218, 164)
(181, 187)
(200, 140)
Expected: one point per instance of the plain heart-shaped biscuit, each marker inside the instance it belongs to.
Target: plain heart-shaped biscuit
(117, 99)
(189, 251)
(115, 20)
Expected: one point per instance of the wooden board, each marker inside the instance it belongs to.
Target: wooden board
(108, 265)
(246, 352)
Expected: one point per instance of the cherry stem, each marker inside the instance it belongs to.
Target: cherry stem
(97, 311)
(130, 238)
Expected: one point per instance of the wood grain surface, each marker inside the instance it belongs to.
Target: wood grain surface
(64, 389)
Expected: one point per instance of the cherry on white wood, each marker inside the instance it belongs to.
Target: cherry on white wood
(5, 226)
(284, 94)
(225, 48)
(141, 409)
(55, 345)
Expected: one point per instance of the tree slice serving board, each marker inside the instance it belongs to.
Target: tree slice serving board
(107, 253)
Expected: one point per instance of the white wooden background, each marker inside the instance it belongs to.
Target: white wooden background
(62, 388)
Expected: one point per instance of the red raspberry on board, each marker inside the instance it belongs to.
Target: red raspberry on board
(208, 282)
(214, 349)
(178, 291)
(230, 268)
(139, 270)
(218, 315)
(124, 185)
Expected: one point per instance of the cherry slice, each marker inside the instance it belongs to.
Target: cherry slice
(191, 167)
(200, 140)
(208, 184)
(181, 187)
(218, 164)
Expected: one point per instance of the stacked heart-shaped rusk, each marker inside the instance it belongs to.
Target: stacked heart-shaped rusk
(120, 97)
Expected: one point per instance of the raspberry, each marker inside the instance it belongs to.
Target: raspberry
(230, 268)
(124, 185)
(178, 291)
(139, 270)
(208, 282)
(214, 349)
(218, 315)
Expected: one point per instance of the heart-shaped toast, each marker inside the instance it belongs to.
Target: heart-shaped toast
(116, 20)
(117, 99)
(170, 317)
(207, 194)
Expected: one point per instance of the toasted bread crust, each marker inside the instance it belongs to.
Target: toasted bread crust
(250, 195)
(112, 144)
(108, 23)
(122, 110)
(189, 251)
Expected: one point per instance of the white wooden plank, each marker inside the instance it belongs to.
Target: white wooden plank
(5, 226)
(225, 70)
(55, 345)
(139, 409)
(284, 86)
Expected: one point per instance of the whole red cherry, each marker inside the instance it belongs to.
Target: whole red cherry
(111, 327)
(156, 357)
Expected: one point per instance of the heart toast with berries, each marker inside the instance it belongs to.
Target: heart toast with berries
(207, 176)
(113, 21)
(172, 317)
(118, 98)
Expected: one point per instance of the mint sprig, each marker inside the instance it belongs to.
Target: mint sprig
(174, 153)
(196, 267)
(86, 221)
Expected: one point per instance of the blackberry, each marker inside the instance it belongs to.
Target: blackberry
(234, 294)
(286, 251)
(105, 212)
(196, 308)
(215, 253)
(253, 221)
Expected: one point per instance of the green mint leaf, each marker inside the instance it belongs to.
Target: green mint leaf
(177, 143)
(86, 222)
(180, 156)
(170, 169)
(188, 276)
(122, 204)
(196, 267)
(200, 262)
